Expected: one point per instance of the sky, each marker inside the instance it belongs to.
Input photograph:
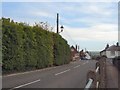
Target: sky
(90, 25)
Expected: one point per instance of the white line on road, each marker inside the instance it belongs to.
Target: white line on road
(62, 72)
(77, 66)
(26, 84)
(84, 63)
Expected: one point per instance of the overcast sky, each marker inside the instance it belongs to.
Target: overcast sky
(91, 25)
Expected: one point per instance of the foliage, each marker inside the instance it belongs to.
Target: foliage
(61, 50)
(27, 47)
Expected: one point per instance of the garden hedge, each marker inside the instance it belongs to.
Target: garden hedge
(26, 47)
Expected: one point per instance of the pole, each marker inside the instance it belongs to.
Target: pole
(57, 23)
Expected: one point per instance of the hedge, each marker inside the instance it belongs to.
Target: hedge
(27, 47)
(61, 50)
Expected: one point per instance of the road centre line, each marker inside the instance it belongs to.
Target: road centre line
(62, 72)
(77, 66)
(84, 63)
(25, 84)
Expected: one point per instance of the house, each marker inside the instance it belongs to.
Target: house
(112, 51)
(74, 53)
(87, 55)
(103, 52)
(84, 55)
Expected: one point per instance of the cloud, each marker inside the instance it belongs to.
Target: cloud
(83, 21)
(41, 14)
(60, 1)
(101, 32)
(90, 13)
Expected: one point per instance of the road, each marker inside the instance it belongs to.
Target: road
(112, 75)
(72, 75)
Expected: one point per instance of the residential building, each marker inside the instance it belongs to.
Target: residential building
(74, 53)
(112, 51)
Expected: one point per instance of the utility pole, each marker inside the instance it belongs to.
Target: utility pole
(76, 47)
(57, 23)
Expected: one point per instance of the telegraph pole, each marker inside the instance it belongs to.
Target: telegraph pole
(57, 23)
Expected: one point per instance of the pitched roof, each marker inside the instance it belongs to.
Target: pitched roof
(113, 48)
(104, 49)
(74, 48)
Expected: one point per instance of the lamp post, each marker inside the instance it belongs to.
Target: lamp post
(61, 29)
(58, 25)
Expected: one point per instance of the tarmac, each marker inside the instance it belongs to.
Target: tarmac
(112, 76)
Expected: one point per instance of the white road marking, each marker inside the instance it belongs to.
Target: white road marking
(26, 84)
(84, 63)
(77, 66)
(62, 72)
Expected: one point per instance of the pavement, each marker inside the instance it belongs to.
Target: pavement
(112, 74)
(72, 75)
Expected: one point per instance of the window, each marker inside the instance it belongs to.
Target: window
(112, 53)
(118, 53)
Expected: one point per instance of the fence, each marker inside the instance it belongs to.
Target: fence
(96, 78)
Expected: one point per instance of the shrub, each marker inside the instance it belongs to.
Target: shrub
(27, 47)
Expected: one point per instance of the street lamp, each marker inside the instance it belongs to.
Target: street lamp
(61, 29)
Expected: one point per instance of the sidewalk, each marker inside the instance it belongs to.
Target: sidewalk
(111, 75)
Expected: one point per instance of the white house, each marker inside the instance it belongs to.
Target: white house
(103, 52)
(112, 51)
(87, 56)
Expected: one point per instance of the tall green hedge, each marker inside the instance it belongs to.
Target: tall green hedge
(27, 47)
(61, 50)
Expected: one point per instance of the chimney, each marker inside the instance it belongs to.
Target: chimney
(76, 47)
(117, 44)
(107, 46)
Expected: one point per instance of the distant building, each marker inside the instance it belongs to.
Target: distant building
(87, 55)
(74, 53)
(82, 54)
(103, 52)
(112, 51)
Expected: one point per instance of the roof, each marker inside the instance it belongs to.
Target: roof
(103, 50)
(74, 48)
(113, 48)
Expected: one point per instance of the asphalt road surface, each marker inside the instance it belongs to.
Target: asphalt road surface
(72, 75)
(112, 75)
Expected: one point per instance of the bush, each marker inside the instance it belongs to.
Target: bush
(27, 47)
(61, 50)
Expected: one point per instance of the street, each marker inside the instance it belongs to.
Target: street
(112, 75)
(72, 75)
